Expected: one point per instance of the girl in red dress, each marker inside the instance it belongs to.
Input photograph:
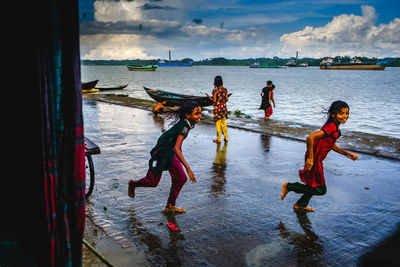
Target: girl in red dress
(318, 146)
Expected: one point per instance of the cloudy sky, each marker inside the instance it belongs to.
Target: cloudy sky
(200, 29)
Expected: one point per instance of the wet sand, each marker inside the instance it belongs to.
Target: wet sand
(234, 213)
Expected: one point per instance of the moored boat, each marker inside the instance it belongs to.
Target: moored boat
(111, 88)
(89, 85)
(328, 64)
(257, 65)
(174, 99)
(142, 68)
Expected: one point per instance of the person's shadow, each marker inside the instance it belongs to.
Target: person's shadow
(308, 247)
(219, 170)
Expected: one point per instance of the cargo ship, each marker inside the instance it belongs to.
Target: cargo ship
(355, 64)
(162, 63)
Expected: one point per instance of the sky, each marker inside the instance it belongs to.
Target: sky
(205, 29)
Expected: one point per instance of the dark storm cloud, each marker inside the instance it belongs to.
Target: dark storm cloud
(152, 6)
(197, 20)
(153, 28)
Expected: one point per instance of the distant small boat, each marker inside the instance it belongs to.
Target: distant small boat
(111, 88)
(291, 63)
(328, 64)
(142, 68)
(89, 85)
(256, 65)
(174, 99)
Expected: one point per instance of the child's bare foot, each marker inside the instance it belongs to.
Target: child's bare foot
(297, 207)
(217, 141)
(131, 189)
(171, 208)
(284, 191)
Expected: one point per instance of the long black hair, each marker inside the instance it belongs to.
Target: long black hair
(218, 81)
(180, 114)
(335, 107)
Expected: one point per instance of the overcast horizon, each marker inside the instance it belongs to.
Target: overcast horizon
(148, 29)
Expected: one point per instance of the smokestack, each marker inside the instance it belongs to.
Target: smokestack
(169, 52)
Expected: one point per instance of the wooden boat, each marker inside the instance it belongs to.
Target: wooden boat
(174, 99)
(89, 85)
(142, 68)
(258, 66)
(111, 88)
(328, 64)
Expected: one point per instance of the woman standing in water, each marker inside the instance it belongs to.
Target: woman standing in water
(167, 155)
(267, 97)
(318, 146)
(219, 99)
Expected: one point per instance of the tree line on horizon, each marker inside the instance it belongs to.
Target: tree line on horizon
(221, 61)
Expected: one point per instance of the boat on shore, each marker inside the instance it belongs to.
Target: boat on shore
(258, 66)
(142, 68)
(89, 85)
(328, 64)
(111, 88)
(174, 99)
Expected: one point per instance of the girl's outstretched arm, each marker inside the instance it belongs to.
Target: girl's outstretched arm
(179, 155)
(310, 148)
(348, 154)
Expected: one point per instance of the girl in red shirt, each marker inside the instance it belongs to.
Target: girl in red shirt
(318, 146)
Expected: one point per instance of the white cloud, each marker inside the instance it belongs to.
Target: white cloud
(346, 35)
(110, 11)
(112, 46)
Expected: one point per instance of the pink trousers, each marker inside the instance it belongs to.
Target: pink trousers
(178, 179)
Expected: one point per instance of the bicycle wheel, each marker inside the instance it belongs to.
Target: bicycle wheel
(89, 173)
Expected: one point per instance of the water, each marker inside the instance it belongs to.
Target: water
(300, 94)
(234, 213)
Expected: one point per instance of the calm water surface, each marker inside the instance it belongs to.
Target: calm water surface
(234, 213)
(300, 94)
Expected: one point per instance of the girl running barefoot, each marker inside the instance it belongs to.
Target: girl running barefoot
(318, 146)
(167, 155)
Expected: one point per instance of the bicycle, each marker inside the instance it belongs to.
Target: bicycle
(90, 149)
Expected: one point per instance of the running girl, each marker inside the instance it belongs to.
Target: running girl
(318, 146)
(167, 155)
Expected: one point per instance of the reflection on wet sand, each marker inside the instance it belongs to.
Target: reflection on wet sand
(218, 171)
(170, 254)
(159, 121)
(266, 141)
(308, 247)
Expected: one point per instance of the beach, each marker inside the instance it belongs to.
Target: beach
(235, 207)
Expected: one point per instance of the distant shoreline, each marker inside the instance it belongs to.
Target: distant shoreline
(392, 61)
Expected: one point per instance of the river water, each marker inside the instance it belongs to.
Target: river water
(234, 213)
(301, 94)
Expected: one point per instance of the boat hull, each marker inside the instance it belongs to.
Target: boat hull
(142, 68)
(352, 67)
(89, 85)
(188, 64)
(111, 88)
(174, 100)
(267, 67)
